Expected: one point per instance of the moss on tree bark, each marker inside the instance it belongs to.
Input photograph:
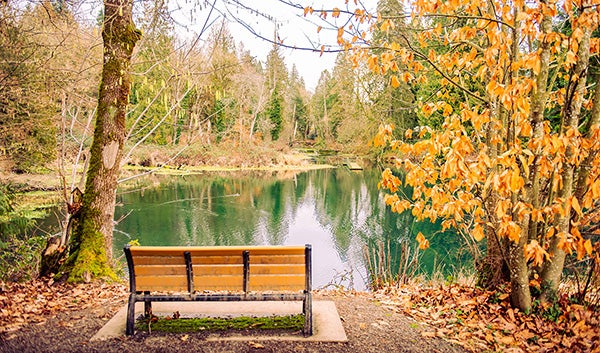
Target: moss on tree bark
(91, 244)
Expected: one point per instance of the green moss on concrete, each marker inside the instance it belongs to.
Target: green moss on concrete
(292, 323)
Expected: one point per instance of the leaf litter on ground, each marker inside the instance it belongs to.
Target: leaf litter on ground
(481, 320)
(476, 319)
(35, 301)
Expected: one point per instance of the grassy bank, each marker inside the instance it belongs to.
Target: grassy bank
(38, 189)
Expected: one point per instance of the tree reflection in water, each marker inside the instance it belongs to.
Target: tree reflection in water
(338, 211)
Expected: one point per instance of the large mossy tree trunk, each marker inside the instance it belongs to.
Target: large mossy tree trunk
(91, 243)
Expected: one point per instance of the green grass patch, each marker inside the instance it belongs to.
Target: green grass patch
(181, 325)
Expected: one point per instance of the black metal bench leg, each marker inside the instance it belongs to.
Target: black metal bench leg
(147, 308)
(307, 310)
(129, 328)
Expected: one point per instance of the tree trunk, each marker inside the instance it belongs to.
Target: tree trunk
(539, 101)
(553, 269)
(520, 295)
(91, 245)
(583, 172)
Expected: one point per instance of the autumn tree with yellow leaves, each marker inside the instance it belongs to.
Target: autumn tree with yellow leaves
(516, 159)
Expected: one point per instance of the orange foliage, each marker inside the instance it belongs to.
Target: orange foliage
(492, 144)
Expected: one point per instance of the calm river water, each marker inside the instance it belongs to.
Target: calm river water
(340, 212)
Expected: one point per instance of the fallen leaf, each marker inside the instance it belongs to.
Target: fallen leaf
(383, 323)
(255, 345)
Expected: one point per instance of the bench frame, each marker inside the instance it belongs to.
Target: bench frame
(243, 295)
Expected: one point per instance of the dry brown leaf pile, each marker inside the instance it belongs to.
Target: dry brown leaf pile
(38, 300)
(482, 320)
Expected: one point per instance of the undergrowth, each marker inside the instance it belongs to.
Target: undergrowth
(19, 249)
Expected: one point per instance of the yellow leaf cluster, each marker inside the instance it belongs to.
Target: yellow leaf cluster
(534, 251)
(478, 233)
(384, 135)
(510, 229)
(395, 82)
(423, 243)
(389, 181)
(396, 205)
(308, 10)
(373, 64)
(340, 35)
(386, 25)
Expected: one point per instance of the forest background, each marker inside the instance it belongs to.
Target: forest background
(194, 100)
(200, 92)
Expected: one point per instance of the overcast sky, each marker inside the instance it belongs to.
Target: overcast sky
(261, 17)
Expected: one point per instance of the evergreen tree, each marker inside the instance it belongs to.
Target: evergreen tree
(298, 102)
(319, 107)
(344, 115)
(393, 102)
(276, 82)
(223, 66)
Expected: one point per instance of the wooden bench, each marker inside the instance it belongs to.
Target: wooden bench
(219, 273)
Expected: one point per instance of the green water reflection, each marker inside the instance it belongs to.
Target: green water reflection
(338, 211)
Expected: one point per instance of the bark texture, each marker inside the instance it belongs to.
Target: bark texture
(91, 245)
(553, 269)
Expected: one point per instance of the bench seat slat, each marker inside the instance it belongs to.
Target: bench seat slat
(222, 297)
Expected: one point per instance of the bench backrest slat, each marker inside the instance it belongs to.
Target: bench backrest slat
(216, 250)
(179, 283)
(275, 268)
(162, 283)
(277, 283)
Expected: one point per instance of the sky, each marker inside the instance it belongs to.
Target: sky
(261, 17)
(249, 20)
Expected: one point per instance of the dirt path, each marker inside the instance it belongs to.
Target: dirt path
(370, 327)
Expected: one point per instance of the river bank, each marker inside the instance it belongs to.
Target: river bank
(160, 161)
